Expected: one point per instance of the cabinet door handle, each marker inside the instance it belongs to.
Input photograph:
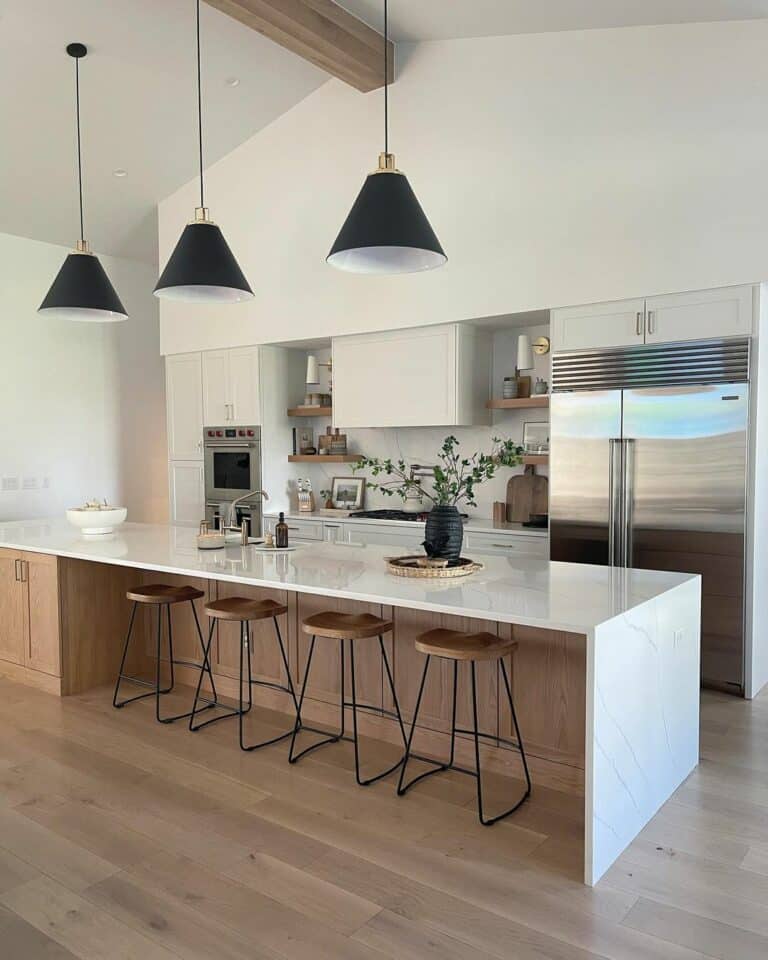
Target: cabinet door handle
(639, 323)
(651, 324)
(504, 546)
(23, 569)
(16, 565)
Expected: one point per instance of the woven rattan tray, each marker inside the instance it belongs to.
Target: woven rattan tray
(411, 567)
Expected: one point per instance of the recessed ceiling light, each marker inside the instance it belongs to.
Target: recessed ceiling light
(119, 172)
(233, 81)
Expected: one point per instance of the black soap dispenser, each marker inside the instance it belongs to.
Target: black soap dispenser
(281, 532)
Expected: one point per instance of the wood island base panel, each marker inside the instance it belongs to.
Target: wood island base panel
(605, 675)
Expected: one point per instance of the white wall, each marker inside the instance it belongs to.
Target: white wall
(556, 169)
(81, 404)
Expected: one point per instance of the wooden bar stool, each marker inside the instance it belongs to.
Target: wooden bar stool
(455, 646)
(244, 611)
(347, 627)
(162, 596)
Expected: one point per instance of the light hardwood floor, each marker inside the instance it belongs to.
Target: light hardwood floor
(124, 840)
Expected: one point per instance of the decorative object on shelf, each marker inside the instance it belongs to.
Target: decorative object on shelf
(540, 388)
(509, 390)
(96, 518)
(499, 511)
(541, 346)
(313, 373)
(524, 362)
(431, 568)
(307, 441)
(454, 481)
(347, 492)
(332, 442)
(305, 496)
(386, 231)
(202, 268)
(312, 400)
(327, 497)
(81, 290)
(536, 437)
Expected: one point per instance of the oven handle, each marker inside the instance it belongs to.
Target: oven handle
(230, 446)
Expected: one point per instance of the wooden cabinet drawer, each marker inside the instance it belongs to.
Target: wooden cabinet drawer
(502, 544)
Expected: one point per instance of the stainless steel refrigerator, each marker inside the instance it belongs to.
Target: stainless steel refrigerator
(648, 469)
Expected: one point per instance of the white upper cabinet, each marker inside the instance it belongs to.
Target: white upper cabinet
(215, 387)
(428, 376)
(700, 315)
(184, 404)
(231, 386)
(617, 324)
(724, 312)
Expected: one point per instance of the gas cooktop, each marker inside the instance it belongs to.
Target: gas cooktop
(389, 515)
(394, 515)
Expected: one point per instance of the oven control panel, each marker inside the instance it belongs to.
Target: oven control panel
(212, 434)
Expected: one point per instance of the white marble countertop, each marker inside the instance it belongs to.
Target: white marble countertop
(523, 590)
(471, 525)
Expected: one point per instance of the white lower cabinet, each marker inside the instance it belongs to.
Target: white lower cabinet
(361, 534)
(297, 529)
(185, 478)
(501, 543)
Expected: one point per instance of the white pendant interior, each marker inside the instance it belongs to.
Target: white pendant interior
(204, 293)
(386, 260)
(83, 314)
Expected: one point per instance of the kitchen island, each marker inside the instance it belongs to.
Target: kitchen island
(605, 675)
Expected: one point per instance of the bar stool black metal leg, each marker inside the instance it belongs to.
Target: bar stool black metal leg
(252, 682)
(391, 680)
(284, 657)
(488, 821)
(206, 664)
(333, 738)
(518, 736)
(379, 776)
(115, 704)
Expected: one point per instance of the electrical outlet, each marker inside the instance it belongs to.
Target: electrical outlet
(9, 484)
(29, 483)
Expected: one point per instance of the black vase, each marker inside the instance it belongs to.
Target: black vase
(443, 533)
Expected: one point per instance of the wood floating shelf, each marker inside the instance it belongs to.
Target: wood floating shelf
(518, 403)
(310, 411)
(325, 458)
(536, 460)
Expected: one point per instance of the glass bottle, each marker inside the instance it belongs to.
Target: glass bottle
(281, 532)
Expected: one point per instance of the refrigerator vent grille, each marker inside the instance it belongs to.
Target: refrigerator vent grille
(668, 365)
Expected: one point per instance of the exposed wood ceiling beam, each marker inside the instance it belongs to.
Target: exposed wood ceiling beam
(319, 31)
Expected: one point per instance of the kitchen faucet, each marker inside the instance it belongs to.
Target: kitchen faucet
(243, 528)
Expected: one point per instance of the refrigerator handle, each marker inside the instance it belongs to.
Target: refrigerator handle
(614, 502)
(628, 498)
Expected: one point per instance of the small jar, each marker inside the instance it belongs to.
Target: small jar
(510, 388)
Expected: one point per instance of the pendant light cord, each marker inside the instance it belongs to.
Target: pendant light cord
(200, 110)
(386, 76)
(79, 151)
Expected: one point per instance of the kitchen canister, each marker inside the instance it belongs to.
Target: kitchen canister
(510, 388)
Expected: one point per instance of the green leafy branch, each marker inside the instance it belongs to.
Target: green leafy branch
(455, 479)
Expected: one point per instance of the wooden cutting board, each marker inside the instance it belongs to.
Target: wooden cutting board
(527, 494)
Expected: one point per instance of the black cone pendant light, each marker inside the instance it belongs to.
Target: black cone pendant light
(386, 230)
(202, 268)
(81, 290)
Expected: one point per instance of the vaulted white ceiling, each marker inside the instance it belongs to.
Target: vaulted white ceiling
(139, 111)
(138, 94)
(449, 19)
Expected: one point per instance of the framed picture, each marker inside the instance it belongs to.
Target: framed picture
(347, 492)
(536, 436)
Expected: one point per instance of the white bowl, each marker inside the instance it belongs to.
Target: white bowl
(96, 523)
